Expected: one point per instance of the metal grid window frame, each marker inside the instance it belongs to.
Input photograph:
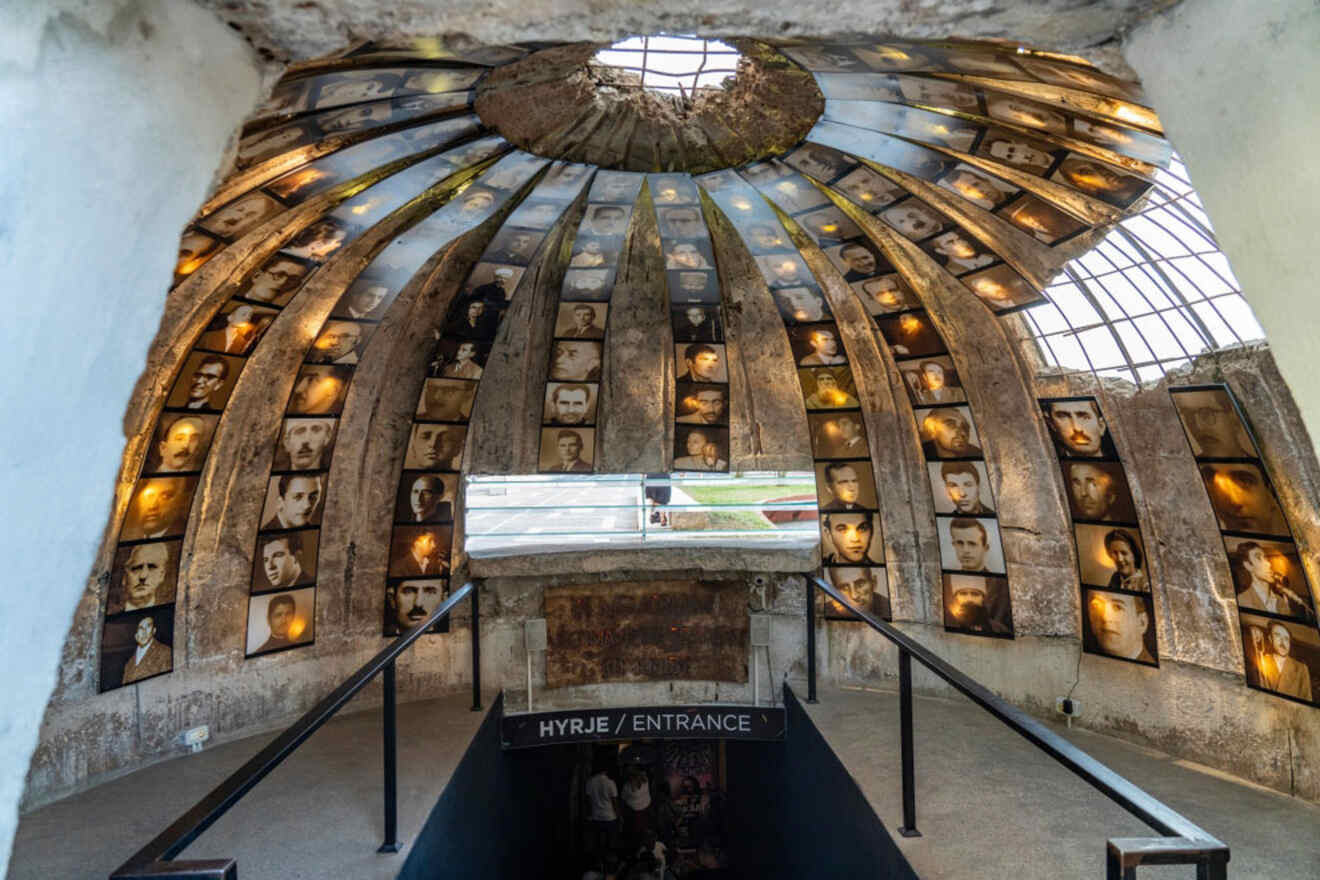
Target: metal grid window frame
(1155, 293)
(672, 65)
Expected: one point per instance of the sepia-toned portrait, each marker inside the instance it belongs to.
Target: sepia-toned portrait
(961, 488)
(1283, 658)
(320, 390)
(409, 601)
(911, 335)
(340, 342)
(866, 586)
(970, 543)
(512, 245)
(838, 435)
(977, 187)
(851, 539)
(827, 387)
(281, 620)
(570, 403)
(1042, 220)
(697, 404)
(1104, 182)
(977, 604)
(143, 576)
(567, 450)
(195, 248)
(365, 300)
(305, 444)
(205, 382)
(425, 498)
(1212, 423)
(180, 443)
(285, 559)
(457, 358)
(845, 486)
(595, 251)
(446, 400)
(688, 254)
(799, 304)
(869, 189)
(275, 282)
(236, 328)
(1078, 428)
(1119, 625)
(435, 447)
(318, 240)
(420, 551)
(575, 360)
(241, 215)
(493, 282)
(932, 380)
(581, 320)
(1098, 490)
(697, 323)
(137, 646)
(959, 252)
(701, 448)
(886, 294)
(1243, 499)
(785, 270)
(158, 508)
(294, 501)
(1268, 576)
(816, 345)
(1112, 557)
(701, 362)
(590, 285)
(1021, 152)
(948, 432)
(473, 317)
(914, 219)
(1002, 288)
(938, 93)
(819, 161)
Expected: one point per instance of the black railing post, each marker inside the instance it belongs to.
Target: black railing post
(811, 641)
(909, 828)
(476, 650)
(390, 737)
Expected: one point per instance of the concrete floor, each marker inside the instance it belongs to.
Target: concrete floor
(319, 815)
(989, 804)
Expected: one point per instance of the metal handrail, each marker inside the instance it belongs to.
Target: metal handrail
(156, 859)
(1183, 842)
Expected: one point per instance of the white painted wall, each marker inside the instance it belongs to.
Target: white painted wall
(1236, 85)
(114, 117)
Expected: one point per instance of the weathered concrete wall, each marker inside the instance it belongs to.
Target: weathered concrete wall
(115, 115)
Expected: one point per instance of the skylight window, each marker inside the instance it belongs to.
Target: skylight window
(672, 65)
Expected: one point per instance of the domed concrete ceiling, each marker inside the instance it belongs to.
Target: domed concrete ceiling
(512, 259)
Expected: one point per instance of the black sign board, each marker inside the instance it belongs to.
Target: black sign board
(711, 721)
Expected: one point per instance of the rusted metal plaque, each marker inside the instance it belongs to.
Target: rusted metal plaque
(653, 631)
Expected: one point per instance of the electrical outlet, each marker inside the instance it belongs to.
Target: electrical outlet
(195, 736)
(1065, 706)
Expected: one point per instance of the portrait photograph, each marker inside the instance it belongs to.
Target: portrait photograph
(474, 317)
(570, 403)
(785, 270)
(818, 161)
(869, 189)
(195, 248)
(340, 342)
(319, 240)
(851, 539)
(701, 362)
(828, 387)
(564, 182)
(672, 189)
(911, 335)
(970, 543)
(294, 501)
(420, 551)
(236, 328)
(425, 498)
(1020, 111)
(886, 294)
(285, 559)
(698, 404)
(693, 286)
(1212, 424)
(697, 323)
(828, 226)
(858, 260)
(796, 194)
(281, 620)
(513, 245)
(581, 320)
(838, 435)
(938, 93)
(1281, 657)
(365, 300)
(143, 576)
(866, 586)
(932, 381)
(589, 285)
(1102, 181)
(241, 215)
(1002, 288)
(320, 389)
(801, 304)
(961, 488)
(275, 282)
(300, 184)
(158, 508)
(446, 400)
(567, 450)
(305, 444)
(1078, 428)
(701, 448)
(1119, 625)
(619, 187)
(408, 601)
(137, 646)
(977, 187)
(1268, 576)
(843, 486)
(576, 360)
(180, 443)
(595, 251)
(457, 358)
(681, 222)
(816, 345)
(205, 382)
(1242, 498)
(1041, 219)
(494, 282)
(977, 604)
(1112, 557)
(762, 236)
(1019, 151)
(1098, 490)
(948, 432)
(353, 87)
(960, 253)
(914, 219)
(261, 145)
(688, 253)
(435, 447)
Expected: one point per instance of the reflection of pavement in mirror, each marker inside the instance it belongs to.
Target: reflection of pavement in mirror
(533, 518)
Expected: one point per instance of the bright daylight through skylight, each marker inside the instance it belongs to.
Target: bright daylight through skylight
(673, 65)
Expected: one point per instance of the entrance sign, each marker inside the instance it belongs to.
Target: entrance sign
(710, 721)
